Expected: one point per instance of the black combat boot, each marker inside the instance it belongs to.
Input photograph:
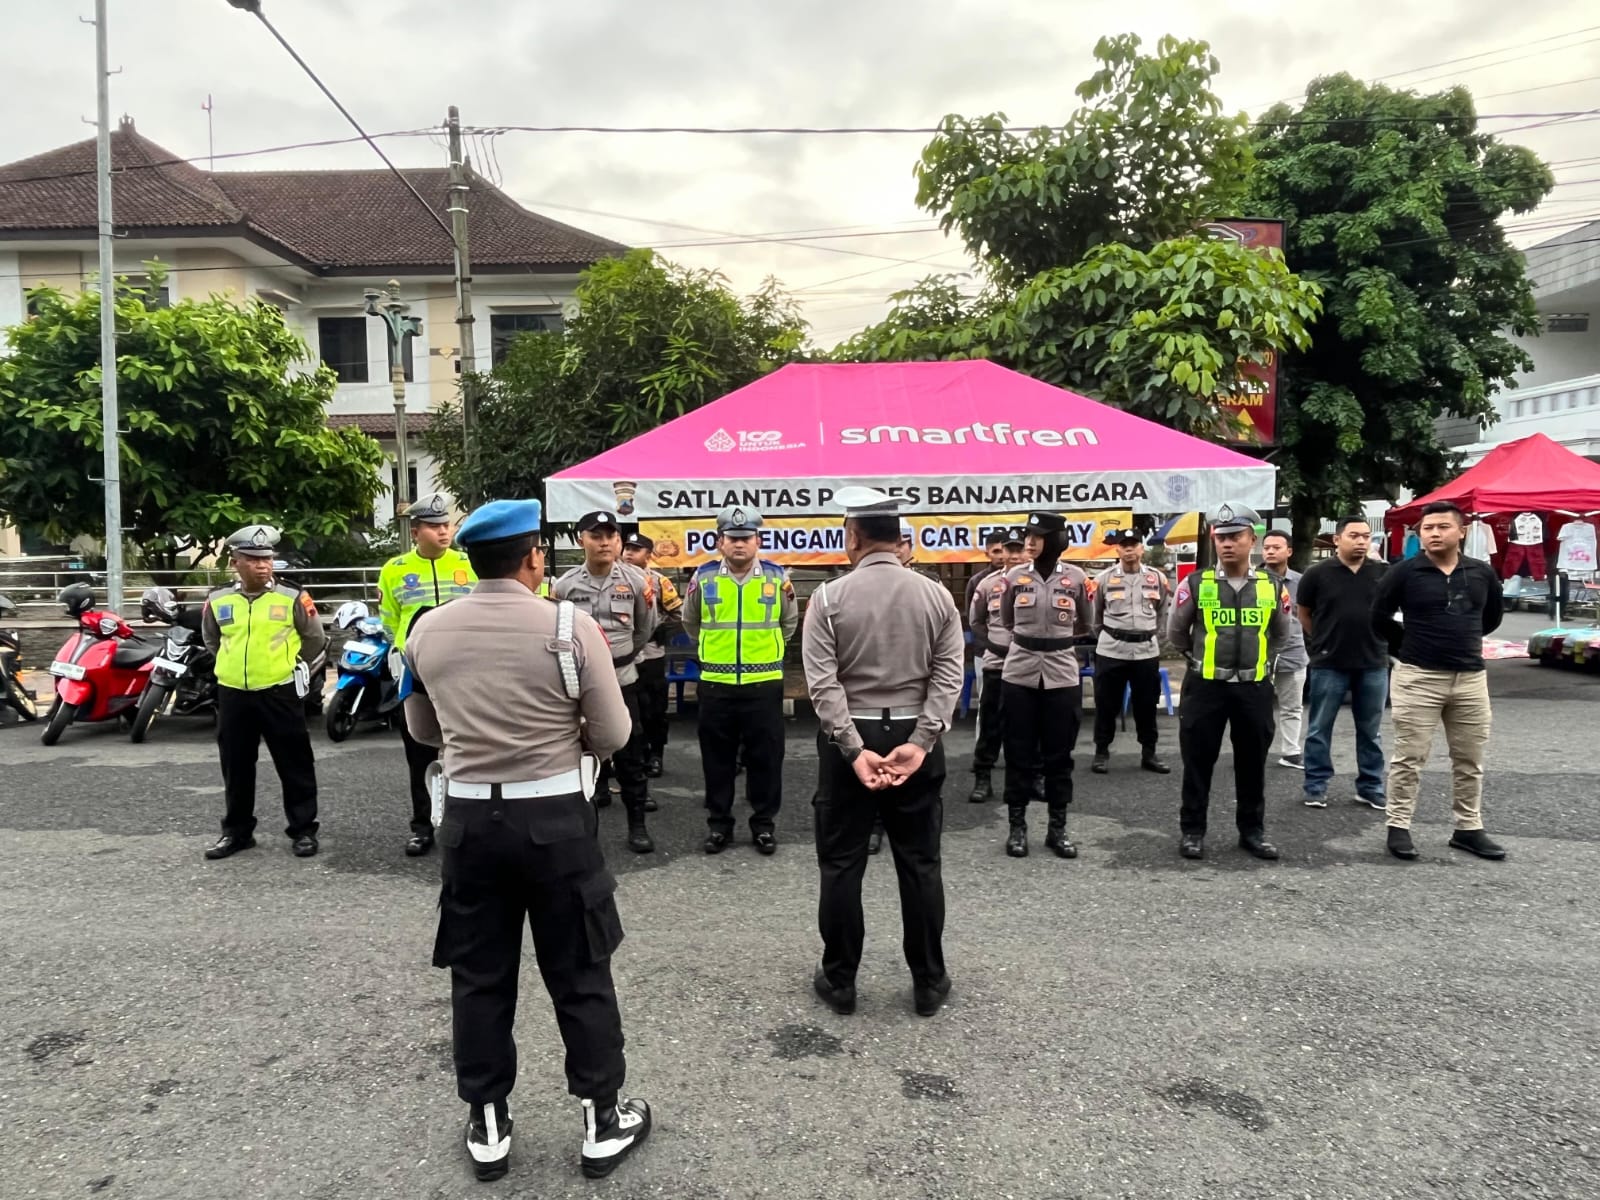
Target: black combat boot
(1056, 838)
(1102, 760)
(982, 789)
(639, 839)
(1017, 842)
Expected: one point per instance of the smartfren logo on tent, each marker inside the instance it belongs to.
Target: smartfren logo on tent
(749, 441)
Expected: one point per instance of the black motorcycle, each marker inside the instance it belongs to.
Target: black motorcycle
(16, 696)
(183, 678)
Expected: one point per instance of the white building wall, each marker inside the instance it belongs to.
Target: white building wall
(1560, 356)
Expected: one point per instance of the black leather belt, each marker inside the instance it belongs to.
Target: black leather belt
(1046, 645)
(1127, 635)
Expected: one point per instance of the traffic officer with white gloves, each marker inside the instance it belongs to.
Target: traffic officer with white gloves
(520, 695)
(1044, 605)
(652, 661)
(264, 636)
(1231, 620)
(428, 575)
(1130, 607)
(621, 600)
(991, 641)
(743, 614)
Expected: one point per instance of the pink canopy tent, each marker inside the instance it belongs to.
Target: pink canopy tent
(948, 437)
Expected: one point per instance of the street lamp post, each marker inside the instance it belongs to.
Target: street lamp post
(388, 307)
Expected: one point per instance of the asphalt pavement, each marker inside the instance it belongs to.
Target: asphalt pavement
(1129, 1024)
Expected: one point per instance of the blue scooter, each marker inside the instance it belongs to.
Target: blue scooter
(368, 689)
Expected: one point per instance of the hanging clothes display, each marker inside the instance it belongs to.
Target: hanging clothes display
(1526, 549)
(1413, 545)
(1480, 541)
(1577, 554)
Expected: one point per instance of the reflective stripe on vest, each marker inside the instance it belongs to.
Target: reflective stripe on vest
(1243, 625)
(414, 584)
(259, 642)
(741, 635)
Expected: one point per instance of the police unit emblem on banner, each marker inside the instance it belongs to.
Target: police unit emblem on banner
(1179, 488)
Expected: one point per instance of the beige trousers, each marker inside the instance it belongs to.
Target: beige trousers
(1422, 701)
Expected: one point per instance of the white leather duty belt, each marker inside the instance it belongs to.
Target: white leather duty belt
(887, 714)
(565, 784)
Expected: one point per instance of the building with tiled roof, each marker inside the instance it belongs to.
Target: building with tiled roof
(308, 242)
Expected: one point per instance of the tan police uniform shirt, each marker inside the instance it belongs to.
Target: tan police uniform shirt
(1135, 602)
(491, 693)
(1054, 609)
(668, 605)
(983, 614)
(883, 637)
(622, 603)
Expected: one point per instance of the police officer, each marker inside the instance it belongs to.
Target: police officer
(652, 661)
(994, 549)
(514, 689)
(620, 599)
(1044, 605)
(991, 641)
(883, 657)
(1231, 620)
(264, 636)
(431, 573)
(742, 613)
(1131, 603)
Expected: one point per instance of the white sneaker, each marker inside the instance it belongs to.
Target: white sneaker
(610, 1136)
(1292, 761)
(1313, 801)
(489, 1140)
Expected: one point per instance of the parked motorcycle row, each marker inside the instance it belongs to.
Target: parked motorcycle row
(107, 671)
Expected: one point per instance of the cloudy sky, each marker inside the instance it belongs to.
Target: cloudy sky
(398, 64)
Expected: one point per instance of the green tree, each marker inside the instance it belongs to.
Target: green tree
(651, 341)
(1095, 273)
(1393, 203)
(223, 426)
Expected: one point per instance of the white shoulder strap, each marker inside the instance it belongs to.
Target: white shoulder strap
(820, 596)
(563, 647)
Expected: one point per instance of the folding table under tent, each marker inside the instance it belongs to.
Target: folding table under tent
(948, 437)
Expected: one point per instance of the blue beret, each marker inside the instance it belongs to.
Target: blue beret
(500, 520)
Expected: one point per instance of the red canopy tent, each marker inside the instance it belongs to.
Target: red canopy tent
(1532, 474)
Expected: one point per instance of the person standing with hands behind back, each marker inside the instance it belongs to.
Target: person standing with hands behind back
(883, 657)
(1449, 602)
(1289, 669)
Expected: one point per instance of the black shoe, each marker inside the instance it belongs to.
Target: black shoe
(419, 845)
(1102, 762)
(1192, 845)
(602, 798)
(1400, 844)
(982, 788)
(650, 804)
(1017, 841)
(841, 999)
(1259, 847)
(716, 842)
(611, 1134)
(489, 1148)
(1149, 762)
(652, 766)
(767, 842)
(1056, 840)
(930, 1000)
(305, 845)
(875, 842)
(1476, 841)
(228, 845)
(639, 839)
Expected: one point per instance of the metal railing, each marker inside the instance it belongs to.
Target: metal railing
(33, 584)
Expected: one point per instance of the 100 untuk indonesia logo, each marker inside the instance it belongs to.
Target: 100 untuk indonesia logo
(1000, 433)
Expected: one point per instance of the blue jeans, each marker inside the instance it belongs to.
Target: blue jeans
(1368, 690)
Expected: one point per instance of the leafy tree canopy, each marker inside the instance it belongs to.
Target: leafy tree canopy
(651, 341)
(223, 426)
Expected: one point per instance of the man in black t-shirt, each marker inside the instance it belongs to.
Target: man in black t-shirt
(1448, 603)
(1347, 656)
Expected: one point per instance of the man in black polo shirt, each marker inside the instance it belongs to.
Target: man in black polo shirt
(1448, 602)
(1347, 656)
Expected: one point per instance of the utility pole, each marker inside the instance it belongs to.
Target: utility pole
(112, 474)
(400, 329)
(468, 362)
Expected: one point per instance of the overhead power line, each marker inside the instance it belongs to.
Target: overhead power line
(1556, 37)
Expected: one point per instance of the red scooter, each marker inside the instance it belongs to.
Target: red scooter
(102, 668)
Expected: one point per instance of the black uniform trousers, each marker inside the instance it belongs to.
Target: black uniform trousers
(509, 861)
(278, 717)
(629, 763)
(418, 759)
(913, 817)
(653, 703)
(1245, 709)
(1040, 732)
(1113, 677)
(742, 722)
(991, 728)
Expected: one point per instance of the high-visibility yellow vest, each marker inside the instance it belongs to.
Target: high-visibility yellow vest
(411, 583)
(260, 644)
(741, 624)
(544, 588)
(1235, 622)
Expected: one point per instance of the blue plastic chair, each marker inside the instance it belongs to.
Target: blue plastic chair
(1166, 697)
(968, 678)
(682, 666)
